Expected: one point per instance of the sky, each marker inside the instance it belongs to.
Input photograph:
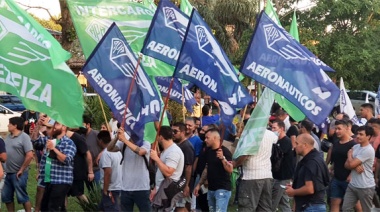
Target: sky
(53, 6)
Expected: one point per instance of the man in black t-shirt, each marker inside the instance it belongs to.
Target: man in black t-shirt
(310, 179)
(179, 130)
(217, 172)
(341, 175)
(282, 176)
(82, 166)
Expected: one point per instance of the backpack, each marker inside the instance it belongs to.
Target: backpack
(149, 165)
(276, 157)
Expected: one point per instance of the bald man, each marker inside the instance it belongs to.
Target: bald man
(310, 179)
(217, 172)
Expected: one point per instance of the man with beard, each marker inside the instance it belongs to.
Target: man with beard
(188, 151)
(169, 167)
(56, 168)
(94, 148)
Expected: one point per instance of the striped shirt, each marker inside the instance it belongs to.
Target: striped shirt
(259, 166)
(60, 173)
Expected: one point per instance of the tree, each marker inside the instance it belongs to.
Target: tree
(344, 34)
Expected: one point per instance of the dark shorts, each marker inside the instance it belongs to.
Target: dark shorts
(110, 204)
(338, 188)
(76, 189)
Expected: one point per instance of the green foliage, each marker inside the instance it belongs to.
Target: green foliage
(48, 24)
(93, 109)
(94, 197)
(344, 34)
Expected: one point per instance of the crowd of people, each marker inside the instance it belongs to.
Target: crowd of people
(190, 166)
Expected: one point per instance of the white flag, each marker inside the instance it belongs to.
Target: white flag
(346, 105)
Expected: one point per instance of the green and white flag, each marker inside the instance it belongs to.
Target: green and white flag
(57, 53)
(253, 133)
(289, 107)
(92, 18)
(186, 7)
(26, 70)
(150, 4)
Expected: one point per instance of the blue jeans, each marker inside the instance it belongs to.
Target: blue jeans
(218, 200)
(141, 198)
(316, 208)
(12, 185)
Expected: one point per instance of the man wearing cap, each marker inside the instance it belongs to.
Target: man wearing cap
(56, 168)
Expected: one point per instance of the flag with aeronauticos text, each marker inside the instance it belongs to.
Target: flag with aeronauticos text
(276, 60)
(110, 70)
(290, 108)
(27, 70)
(92, 18)
(202, 61)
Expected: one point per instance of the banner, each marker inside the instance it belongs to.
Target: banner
(163, 84)
(166, 33)
(203, 62)
(27, 70)
(57, 54)
(253, 133)
(92, 18)
(290, 108)
(110, 70)
(186, 7)
(346, 105)
(276, 60)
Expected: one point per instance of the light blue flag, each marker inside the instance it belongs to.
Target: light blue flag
(203, 62)
(110, 70)
(276, 60)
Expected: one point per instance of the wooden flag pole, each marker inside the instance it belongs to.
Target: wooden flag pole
(154, 145)
(104, 114)
(130, 90)
(183, 105)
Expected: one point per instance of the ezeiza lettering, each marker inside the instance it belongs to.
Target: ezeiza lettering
(273, 77)
(28, 88)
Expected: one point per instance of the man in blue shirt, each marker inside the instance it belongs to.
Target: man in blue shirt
(56, 168)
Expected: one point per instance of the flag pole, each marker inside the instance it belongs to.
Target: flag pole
(130, 91)
(245, 110)
(154, 146)
(104, 113)
(183, 105)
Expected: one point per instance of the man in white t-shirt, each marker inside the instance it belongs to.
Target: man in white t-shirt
(169, 165)
(360, 161)
(255, 189)
(110, 175)
(135, 189)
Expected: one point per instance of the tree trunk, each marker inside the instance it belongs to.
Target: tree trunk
(68, 32)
